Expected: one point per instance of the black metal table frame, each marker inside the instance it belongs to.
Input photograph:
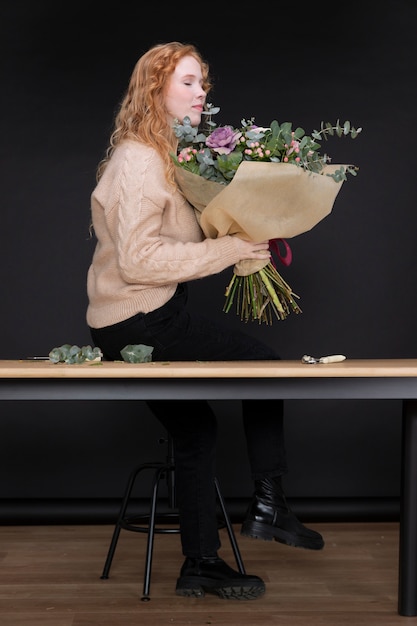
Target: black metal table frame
(287, 388)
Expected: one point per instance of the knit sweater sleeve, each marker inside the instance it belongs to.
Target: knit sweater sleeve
(154, 232)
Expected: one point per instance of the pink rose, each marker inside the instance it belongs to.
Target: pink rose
(223, 140)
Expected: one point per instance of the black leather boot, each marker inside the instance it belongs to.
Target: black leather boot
(213, 575)
(269, 517)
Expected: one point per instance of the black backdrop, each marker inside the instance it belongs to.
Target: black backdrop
(63, 71)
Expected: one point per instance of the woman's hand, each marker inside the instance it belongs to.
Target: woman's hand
(252, 250)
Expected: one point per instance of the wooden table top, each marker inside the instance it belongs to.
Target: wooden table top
(355, 368)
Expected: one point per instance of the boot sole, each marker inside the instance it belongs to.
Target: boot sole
(256, 530)
(196, 587)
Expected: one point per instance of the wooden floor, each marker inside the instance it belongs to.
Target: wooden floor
(50, 576)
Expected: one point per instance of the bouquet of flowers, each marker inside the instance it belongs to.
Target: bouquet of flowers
(259, 183)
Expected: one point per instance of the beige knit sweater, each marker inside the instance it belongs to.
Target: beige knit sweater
(148, 239)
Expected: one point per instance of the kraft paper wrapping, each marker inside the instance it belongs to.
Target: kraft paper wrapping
(263, 201)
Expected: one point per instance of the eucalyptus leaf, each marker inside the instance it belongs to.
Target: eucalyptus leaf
(139, 353)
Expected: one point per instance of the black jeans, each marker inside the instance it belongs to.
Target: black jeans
(176, 335)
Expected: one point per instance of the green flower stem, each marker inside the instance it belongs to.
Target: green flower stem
(271, 291)
(252, 294)
(230, 293)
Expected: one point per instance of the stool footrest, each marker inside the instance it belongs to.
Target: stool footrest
(140, 523)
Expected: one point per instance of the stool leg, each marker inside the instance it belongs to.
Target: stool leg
(121, 517)
(151, 534)
(230, 530)
(118, 526)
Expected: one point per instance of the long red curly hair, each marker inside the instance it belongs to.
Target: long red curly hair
(142, 114)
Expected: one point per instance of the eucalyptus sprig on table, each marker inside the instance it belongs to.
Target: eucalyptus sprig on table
(74, 354)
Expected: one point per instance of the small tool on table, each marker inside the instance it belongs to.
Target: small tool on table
(333, 358)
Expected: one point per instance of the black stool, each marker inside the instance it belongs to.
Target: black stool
(148, 523)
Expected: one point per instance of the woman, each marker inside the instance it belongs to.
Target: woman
(149, 246)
